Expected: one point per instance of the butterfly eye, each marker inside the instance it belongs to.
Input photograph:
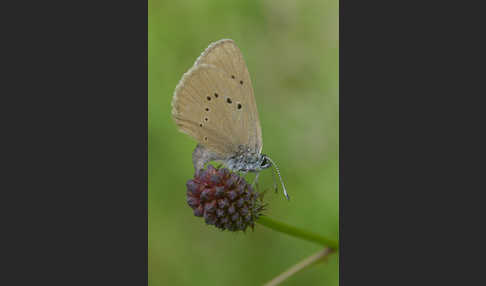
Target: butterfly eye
(264, 162)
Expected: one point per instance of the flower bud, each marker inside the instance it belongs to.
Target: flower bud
(223, 199)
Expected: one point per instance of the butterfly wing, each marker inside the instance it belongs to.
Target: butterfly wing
(226, 55)
(214, 102)
(205, 106)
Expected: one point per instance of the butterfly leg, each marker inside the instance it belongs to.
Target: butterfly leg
(275, 186)
(242, 173)
(255, 181)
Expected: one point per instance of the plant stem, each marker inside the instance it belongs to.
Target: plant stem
(297, 232)
(321, 255)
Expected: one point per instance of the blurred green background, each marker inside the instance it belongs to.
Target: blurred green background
(291, 50)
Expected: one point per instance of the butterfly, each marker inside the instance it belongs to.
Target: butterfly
(214, 103)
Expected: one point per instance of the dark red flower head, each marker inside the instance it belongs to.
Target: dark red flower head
(224, 199)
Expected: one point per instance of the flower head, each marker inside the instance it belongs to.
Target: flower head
(223, 199)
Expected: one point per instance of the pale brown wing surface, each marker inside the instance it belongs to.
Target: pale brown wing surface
(211, 108)
(226, 55)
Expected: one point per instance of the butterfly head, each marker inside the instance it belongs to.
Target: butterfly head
(264, 162)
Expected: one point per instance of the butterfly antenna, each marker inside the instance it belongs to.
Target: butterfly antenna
(281, 181)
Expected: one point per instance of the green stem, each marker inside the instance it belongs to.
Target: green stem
(297, 232)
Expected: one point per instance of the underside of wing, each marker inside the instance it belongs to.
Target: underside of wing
(225, 55)
(210, 107)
